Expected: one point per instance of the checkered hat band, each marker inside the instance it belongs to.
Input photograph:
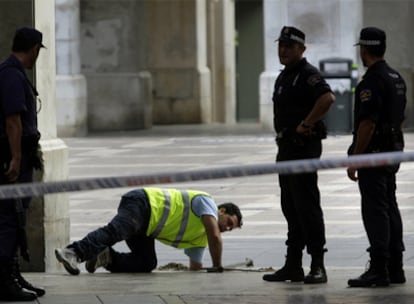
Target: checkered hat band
(369, 42)
(297, 38)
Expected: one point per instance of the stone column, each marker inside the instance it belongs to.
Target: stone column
(383, 14)
(48, 225)
(114, 38)
(177, 59)
(274, 17)
(71, 92)
(221, 60)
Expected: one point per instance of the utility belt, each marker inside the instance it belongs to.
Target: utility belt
(290, 136)
(386, 138)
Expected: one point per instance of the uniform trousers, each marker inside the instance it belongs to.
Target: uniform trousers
(300, 199)
(380, 212)
(9, 226)
(130, 224)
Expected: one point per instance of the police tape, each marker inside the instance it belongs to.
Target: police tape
(285, 167)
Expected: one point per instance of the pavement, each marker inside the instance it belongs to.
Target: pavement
(262, 237)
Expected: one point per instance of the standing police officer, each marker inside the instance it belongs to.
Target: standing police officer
(301, 97)
(380, 101)
(18, 157)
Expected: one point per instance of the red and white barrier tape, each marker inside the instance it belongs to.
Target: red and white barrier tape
(286, 167)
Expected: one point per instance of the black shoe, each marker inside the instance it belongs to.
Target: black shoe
(10, 290)
(39, 291)
(397, 276)
(317, 275)
(370, 278)
(22, 281)
(292, 274)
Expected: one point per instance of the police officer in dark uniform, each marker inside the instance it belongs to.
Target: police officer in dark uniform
(380, 100)
(19, 139)
(301, 97)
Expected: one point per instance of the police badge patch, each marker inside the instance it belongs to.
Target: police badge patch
(314, 79)
(365, 95)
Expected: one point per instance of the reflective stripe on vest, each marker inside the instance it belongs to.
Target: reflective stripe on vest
(172, 220)
(166, 213)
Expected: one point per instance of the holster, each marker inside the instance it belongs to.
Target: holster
(290, 136)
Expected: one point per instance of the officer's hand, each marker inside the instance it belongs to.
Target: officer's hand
(12, 174)
(352, 174)
(304, 130)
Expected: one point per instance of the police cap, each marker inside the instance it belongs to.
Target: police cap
(25, 38)
(291, 34)
(372, 37)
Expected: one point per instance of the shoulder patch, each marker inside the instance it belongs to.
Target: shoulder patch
(314, 79)
(365, 95)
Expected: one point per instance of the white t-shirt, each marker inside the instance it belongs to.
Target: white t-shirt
(201, 205)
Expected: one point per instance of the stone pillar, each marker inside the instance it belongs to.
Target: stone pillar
(221, 60)
(48, 224)
(177, 59)
(383, 14)
(274, 17)
(71, 94)
(113, 55)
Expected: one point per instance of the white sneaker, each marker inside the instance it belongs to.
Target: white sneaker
(69, 259)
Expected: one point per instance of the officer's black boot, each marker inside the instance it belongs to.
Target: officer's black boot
(23, 283)
(10, 289)
(395, 268)
(291, 271)
(317, 274)
(376, 275)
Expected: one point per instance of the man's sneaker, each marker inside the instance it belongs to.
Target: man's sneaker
(69, 259)
(103, 259)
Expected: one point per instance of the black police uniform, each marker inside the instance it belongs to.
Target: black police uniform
(381, 97)
(16, 96)
(295, 94)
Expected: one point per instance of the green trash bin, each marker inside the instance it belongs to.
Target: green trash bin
(341, 74)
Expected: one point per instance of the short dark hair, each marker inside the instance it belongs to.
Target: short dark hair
(232, 209)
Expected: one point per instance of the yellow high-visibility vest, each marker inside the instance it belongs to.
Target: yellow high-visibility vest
(172, 220)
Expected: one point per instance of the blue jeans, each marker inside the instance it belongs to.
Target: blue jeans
(130, 224)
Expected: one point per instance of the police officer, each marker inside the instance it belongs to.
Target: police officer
(301, 97)
(380, 100)
(185, 219)
(19, 138)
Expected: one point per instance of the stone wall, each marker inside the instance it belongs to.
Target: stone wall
(113, 43)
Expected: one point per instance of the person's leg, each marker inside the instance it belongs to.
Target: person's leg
(292, 269)
(310, 214)
(374, 207)
(10, 289)
(142, 257)
(396, 247)
(132, 218)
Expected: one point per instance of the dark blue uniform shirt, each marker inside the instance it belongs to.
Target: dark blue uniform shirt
(295, 93)
(381, 97)
(17, 96)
